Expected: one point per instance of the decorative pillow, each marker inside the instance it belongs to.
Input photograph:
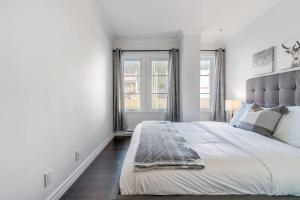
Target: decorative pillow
(236, 120)
(262, 121)
(288, 129)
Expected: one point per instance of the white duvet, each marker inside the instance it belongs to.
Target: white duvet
(236, 162)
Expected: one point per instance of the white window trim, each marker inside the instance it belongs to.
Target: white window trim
(146, 74)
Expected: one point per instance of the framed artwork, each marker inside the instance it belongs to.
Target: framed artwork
(263, 61)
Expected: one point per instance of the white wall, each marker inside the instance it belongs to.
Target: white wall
(211, 46)
(146, 43)
(55, 92)
(277, 25)
(190, 75)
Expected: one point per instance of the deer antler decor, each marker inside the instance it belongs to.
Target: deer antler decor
(294, 52)
(291, 50)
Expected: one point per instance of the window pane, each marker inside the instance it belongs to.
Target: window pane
(204, 90)
(204, 81)
(132, 67)
(159, 101)
(204, 101)
(159, 84)
(159, 67)
(205, 67)
(132, 101)
(131, 84)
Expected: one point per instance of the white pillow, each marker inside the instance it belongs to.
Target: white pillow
(288, 129)
(238, 115)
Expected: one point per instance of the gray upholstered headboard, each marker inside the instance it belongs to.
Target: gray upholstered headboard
(273, 90)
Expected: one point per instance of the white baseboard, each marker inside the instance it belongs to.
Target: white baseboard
(57, 194)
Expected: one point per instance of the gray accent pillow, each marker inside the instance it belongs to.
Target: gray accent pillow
(236, 119)
(262, 121)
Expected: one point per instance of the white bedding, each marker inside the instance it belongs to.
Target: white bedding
(236, 162)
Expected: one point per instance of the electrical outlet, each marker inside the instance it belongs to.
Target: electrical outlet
(77, 155)
(48, 178)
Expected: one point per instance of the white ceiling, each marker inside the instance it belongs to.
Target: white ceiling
(165, 18)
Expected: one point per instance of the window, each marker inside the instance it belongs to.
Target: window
(207, 63)
(145, 82)
(159, 84)
(132, 85)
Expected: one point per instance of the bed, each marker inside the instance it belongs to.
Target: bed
(238, 163)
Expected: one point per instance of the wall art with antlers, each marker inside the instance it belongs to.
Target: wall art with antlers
(294, 51)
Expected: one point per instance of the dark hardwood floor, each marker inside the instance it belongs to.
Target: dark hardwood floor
(99, 179)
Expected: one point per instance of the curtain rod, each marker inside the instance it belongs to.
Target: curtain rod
(139, 50)
(211, 50)
(143, 50)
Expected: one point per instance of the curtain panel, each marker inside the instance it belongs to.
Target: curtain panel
(173, 103)
(218, 100)
(118, 103)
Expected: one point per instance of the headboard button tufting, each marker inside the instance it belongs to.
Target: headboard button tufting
(274, 90)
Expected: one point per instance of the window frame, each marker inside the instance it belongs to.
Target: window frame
(161, 57)
(145, 77)
(211, 56)
(135, 57)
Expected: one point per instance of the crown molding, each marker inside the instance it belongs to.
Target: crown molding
(100, 16)
(259, 12)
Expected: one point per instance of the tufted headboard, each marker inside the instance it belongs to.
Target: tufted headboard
(273, 90)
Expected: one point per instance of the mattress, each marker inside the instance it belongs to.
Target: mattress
(236, 162)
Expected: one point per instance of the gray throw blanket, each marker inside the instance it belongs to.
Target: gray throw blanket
(162, 147)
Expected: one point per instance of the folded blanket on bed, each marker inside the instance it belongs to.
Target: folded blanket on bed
(162, 147)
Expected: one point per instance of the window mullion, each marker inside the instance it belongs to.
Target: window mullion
(145, 88)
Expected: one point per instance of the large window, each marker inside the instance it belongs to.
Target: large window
(207, 64)
(145, 82)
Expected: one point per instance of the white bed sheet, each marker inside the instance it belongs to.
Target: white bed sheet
(236, 162)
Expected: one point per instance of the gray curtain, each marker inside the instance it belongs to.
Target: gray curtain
(173, 106)
(218, 100)
(118, 104)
